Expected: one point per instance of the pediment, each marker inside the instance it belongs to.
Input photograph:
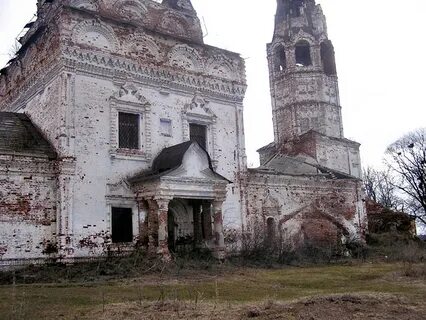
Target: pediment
(199, 107)
(271, 206)
(132, 94)
(120, 189)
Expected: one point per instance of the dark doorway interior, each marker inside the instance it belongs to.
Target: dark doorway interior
(172, 231)
(122, 226)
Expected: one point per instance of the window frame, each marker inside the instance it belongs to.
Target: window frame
(139, 125)
(166, 134)
(144, 151)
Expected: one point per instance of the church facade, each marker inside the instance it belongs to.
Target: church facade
(121, 128)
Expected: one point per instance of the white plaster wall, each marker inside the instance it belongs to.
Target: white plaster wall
(96, 166)
(340, 156)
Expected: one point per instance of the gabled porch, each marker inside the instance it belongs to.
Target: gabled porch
(183, 196)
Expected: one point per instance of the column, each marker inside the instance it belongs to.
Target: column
(163, 232)
(152, 226)
(219, 240)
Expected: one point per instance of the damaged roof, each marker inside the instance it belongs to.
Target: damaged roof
(299, 165)
(18, 135)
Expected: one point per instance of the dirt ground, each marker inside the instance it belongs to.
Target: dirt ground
(337, 307)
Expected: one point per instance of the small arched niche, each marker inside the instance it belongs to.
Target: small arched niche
(327, 58)
(280, 60)
(270, 229)
(303, 54)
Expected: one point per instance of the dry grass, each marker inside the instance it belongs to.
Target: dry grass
(217, 294)
(354, 307)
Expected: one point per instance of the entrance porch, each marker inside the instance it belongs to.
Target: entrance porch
(183, 197)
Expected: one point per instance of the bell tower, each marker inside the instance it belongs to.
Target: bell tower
(306, 107)
(302, 69)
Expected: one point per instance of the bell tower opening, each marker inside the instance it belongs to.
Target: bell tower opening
(327, 58)
(280, 59)
(303, 54)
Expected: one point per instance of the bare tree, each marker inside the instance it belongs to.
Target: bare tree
(380, 187)
(406, 158)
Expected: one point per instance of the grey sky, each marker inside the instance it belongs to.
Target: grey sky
(380, 59)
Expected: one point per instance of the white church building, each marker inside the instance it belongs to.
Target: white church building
(120, 127)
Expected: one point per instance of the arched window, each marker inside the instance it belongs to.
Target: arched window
(280, 60)
(303, 54)
(327, 58)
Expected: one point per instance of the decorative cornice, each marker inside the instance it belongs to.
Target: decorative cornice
(106, 65)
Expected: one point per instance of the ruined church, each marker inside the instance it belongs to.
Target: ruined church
(120, 128)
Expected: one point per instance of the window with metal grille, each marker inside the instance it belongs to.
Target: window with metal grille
(128, 130)
(122, 225)
(198, 133)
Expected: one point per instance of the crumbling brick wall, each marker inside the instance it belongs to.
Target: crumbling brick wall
(28, 206)
(306, 208)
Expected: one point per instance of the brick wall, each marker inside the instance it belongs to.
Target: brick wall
(28, 207)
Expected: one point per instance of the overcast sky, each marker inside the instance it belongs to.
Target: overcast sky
(380, 52)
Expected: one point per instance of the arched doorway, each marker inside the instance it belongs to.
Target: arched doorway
(180, 226)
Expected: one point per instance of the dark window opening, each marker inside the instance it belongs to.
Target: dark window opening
(128, 130)
(280, 59)
(122, 225)
(327, 58)
(296, 8)
(198, 133)
(270, 230)
(303, 54)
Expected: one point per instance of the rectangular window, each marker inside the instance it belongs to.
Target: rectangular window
(166, 127)
(198, 133)
(122, 225)
(128, 130)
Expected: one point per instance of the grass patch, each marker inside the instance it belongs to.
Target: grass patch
(231, 285)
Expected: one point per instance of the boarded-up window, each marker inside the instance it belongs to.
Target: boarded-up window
(198, 133)
(166, 127)
(128, 130)
(122, 226)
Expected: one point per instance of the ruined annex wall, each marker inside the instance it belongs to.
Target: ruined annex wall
(306, 209)
(28, 202)
(340, 155)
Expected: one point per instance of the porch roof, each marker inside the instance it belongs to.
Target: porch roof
(169, 160)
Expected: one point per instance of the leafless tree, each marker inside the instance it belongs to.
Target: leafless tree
(406, 159)
(380, 187)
